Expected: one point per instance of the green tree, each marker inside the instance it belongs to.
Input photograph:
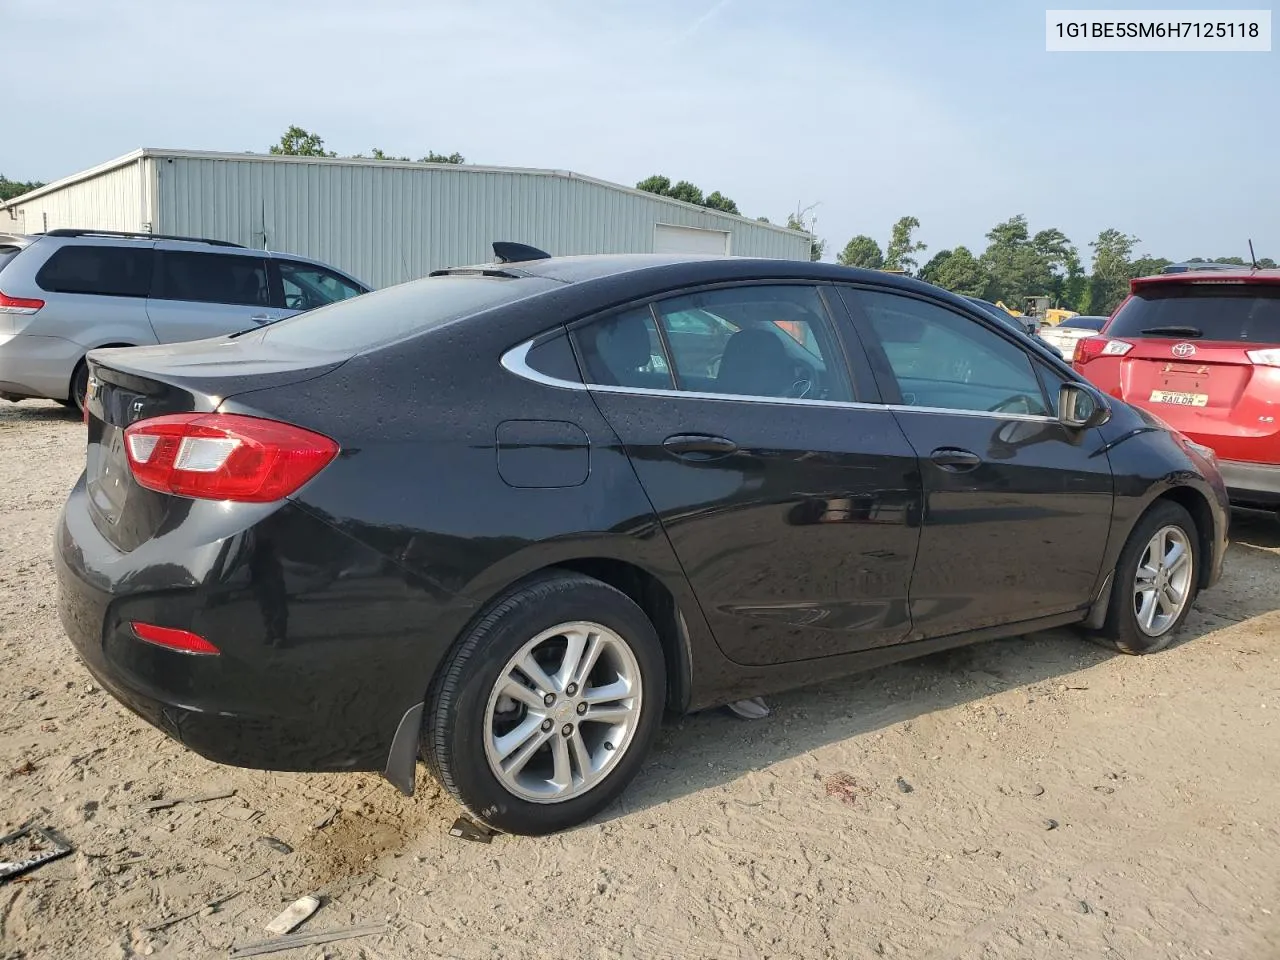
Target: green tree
(930, 269)
(1266, 263)
(1112, 269)
(297, 142)
(1018, 265)
(862, 251)
(1060, 275)
(433, 157)
(960, 272)
(898, 255)
(1236, 261)
(689, 193)
(816, 247)
(1148, 266)
(16, 188)
(718, 201)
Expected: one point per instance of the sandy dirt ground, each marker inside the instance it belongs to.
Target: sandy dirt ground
(1035, 797)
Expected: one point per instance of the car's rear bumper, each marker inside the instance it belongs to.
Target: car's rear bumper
(322, 642)
(32, 366)
(1252, 484)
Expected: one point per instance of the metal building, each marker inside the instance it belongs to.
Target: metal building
(384, 221)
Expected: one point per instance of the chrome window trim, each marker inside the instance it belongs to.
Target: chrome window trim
(516, 361)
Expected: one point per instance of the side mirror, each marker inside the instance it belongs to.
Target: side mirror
(1081, 407)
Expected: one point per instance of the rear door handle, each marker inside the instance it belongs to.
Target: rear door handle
(699, 446)
(955, 460)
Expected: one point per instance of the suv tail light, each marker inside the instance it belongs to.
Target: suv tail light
(225, 456)
(1090, 348)
(10, 304)
(1265, 358)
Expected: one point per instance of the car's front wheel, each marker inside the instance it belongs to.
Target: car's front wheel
(545, 711)
(1155, 580)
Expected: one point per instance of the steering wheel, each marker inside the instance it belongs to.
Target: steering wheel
(1029, 404)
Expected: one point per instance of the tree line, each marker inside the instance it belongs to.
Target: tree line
(297, 142)
(1017, 264)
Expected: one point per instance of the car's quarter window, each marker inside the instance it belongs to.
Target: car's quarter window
(307, 286)
(212, 278)
(624, 350)
(101, 270)
(946, 360)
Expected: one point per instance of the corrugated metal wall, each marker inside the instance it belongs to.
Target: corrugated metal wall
(110, 201)
(389, 223)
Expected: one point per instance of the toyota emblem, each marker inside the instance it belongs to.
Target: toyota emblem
(1184, 350)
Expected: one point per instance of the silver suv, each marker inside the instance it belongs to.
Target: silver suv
(66, 292)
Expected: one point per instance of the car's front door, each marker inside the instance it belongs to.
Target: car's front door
(1017, 506)
(791, 504)
(196, 294)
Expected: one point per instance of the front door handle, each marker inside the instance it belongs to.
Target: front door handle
(955, 460)
(699, 446)
(261, 318)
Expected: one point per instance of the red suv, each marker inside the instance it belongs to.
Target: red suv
(1202, 352)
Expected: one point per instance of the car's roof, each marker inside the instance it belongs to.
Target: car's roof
(1236, 275)
(687, 268)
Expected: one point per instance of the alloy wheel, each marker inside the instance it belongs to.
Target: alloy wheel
(563, 712)
(1162, 584)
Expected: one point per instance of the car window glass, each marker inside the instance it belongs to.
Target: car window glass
(212, 278)
(757, 340)
(307, 286)
(946, 360)
(554, 358)
(101, 270)
(7, 253)
(624, 350)
(1206, 310)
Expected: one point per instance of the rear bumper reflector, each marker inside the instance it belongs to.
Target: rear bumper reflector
(183, 641)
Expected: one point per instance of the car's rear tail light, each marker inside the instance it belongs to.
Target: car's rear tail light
(225, 456)
(1265, 358)
(184, 641)
(10, 304)
(1090, 348)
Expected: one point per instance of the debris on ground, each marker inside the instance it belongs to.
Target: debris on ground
(903, 786)
(204, 910)
(202, 798)
(27, 849)
(293, 915)
(279, 846)
(467, 829)
(325, 820)
(24, 769)
(844, 788)
(1049, 823)
(294, 940)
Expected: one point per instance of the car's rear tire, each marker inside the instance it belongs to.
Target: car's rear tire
(1155, 582)
(78, 387)
(529, 760)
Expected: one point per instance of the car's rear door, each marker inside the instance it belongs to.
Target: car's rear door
(790, 497)
(199, 293)
(1017, 506)
(1204, 354)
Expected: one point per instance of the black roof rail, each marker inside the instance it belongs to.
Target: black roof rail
(507, 251)
(81, 232)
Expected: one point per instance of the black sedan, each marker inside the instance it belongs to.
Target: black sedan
(502, 517)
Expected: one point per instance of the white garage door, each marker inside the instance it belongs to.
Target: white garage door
(671, 239)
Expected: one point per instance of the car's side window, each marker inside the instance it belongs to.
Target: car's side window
(212, 278)
(756, 341)
(100, 270)
(307, 286)
(944, 359)
(624, 350)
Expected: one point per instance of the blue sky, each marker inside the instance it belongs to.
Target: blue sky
(950, 111)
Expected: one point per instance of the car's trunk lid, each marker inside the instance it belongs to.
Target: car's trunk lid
(137, 383)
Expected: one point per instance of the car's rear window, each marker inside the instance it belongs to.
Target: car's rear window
(1248, 313)
(7, 253)
(400, 311)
